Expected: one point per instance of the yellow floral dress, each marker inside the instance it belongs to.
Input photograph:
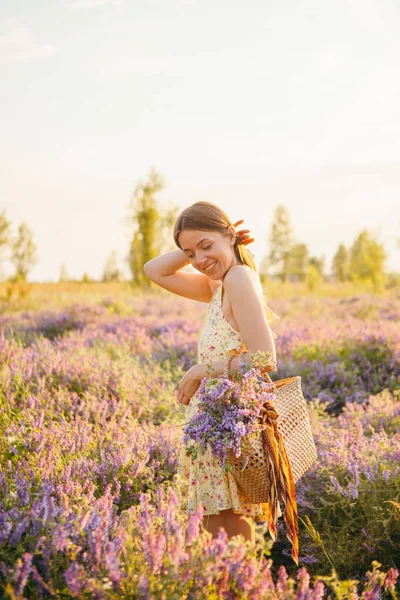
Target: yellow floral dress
(202, 479)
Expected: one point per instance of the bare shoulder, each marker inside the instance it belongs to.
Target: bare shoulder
(241, 276)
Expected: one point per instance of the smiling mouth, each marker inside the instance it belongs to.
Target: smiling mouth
(209, 267)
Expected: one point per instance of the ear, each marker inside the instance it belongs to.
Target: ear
(232, 235)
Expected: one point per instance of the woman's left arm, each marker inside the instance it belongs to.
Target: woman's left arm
(249, 313)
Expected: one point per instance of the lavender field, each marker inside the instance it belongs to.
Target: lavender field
(90, 505)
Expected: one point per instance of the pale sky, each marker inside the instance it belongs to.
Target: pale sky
(245, 104)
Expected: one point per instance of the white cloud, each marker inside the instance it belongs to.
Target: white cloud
(85, 4)
(17, 44)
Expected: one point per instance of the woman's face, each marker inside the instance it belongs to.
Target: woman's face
(209, 251)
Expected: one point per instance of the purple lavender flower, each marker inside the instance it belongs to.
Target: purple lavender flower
(391, 579)
(112, 563)
(319, 590)
(194, 524)
(227, 411)
(22, 571)
(74, 577)
(303, 588)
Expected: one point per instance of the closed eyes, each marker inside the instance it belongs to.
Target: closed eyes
(204, 248)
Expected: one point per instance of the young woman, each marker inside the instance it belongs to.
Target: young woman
(237, 318)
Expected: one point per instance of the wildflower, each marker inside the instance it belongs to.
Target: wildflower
(228, 410)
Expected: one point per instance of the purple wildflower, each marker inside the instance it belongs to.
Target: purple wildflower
(391, 579)
(74, 577)
(318, 591)
(194, 524)
(228, 410)
(22, 571)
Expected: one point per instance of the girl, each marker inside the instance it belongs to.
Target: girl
(237, 318)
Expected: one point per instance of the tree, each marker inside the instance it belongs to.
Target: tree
(86, 278)
(23, 252)
(63, 273)
(297, 262)
(152, 226)
(367, 259)
(263, 269)
(168, 217)
(135, 259)
(318, 263)
(314, 277)
(111, 271)
(146, 219)
(281, 241)
(340, 264)
(4, 232)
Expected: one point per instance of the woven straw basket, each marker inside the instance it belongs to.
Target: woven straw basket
(294, 426)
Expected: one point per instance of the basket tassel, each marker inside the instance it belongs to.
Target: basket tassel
(282, 484)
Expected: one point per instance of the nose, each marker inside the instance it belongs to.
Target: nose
(201, 260)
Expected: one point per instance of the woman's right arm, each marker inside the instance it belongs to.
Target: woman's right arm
(165, 271)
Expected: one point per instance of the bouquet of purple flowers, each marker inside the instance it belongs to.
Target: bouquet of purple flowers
(229, 409)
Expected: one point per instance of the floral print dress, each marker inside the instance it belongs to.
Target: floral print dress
(201, 480)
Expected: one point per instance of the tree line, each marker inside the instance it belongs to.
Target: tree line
(288, 259)
(151, 227)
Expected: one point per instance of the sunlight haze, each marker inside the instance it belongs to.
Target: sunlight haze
(248, 105)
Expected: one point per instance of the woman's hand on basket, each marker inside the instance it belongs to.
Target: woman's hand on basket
(189, 384)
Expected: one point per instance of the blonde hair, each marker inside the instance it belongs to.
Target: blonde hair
(206, 216)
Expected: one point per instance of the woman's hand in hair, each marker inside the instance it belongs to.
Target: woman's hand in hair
(243, 234)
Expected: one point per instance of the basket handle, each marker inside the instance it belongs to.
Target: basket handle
(278, 383)
(267, 377)
(269, 380)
